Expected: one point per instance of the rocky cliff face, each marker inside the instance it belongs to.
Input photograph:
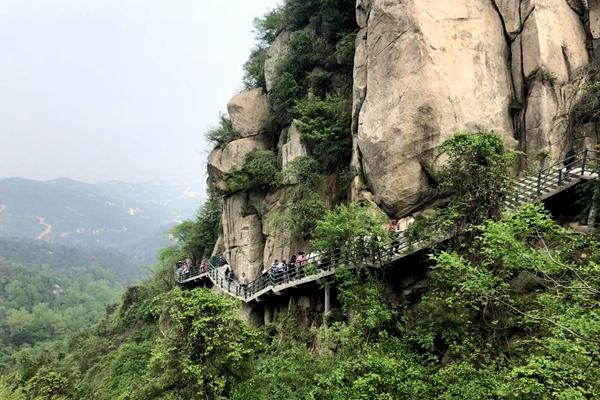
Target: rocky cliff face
(423, 71)
(426, 69)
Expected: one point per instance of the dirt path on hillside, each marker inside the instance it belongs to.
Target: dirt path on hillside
(47, 230)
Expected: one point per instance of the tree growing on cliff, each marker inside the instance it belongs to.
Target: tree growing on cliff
(348, 229)
(197, 238)
(260, 172)
(475, 175)
(325, 126)
(223, 133)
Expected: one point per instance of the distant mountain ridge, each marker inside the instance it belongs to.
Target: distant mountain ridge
(129, 217)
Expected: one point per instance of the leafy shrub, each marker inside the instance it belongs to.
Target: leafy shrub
(197, 238)
(337, 20)
(283, 96)
(305, 214)
(319, 81)
(339, 229)
(325, 125)
(304, 171)
(268, 27)
(254, 69)
(345, 49)
(223, 133)
(204, 349)
(300, 57)
(260, 172)
(298, 13)
(477, 177)
(477, 174)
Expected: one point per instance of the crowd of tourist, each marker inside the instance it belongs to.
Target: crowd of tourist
(302, 264)
(186, 268)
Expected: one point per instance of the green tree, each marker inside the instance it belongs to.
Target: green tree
(475, 174)
(204, 348)
(325, 126)
(260, 172)
(223, 133)
(348, 230)
(197, 238)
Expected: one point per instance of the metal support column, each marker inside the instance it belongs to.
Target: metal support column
(327, 300)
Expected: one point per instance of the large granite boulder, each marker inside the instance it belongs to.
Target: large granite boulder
(274, 55)
(553, 48)
(279, 242)
(242, 236)
(248, 112)
(426, 69)
(594, 23)
(222, 161)
(433, 68)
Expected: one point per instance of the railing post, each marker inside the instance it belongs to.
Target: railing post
(585, 152)
(539, 184)
(560, 176)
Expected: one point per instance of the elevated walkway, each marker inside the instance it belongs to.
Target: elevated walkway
(527, 189)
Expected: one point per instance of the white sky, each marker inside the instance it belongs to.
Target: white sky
(98, 90)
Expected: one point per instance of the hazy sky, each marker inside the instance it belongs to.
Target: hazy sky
(117, 89)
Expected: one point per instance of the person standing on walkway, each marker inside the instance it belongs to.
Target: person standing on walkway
(570, 159)
(243, 281)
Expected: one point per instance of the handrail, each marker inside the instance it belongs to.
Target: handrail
(526, 189)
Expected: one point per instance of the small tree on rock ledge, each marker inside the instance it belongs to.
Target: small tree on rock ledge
(476, 175)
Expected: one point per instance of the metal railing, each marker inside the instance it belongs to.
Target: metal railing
(527, 189)
(557, 177)
(182, 275)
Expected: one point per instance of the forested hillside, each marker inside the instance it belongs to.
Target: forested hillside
(131, 218)
(502, 304)
(513, 315)
(40, 305)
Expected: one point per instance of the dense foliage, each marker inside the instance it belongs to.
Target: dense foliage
(509, 311)
(348, 229)
(513, 315)
(223, 133)
(474, 174)
(197, 238)
(39, 306)
(325, 126)
(260, 172)
(332, 20)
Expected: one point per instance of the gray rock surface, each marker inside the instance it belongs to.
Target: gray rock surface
(221, 162)
(274, 55)
(248, 112)
(242, 237)
(425, 70)
(293, 147)
(432, 69)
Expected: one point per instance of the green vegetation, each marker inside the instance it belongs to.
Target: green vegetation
(223, 133)
(349, 229)
(508, 311)
(197, 238)
(476, 175)
(325, 126)
(260, 172)
(515, 324)
(308, 86)
(334, 20)
(39, 306)
(511, 315)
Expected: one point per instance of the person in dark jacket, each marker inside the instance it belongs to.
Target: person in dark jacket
(570, 158)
